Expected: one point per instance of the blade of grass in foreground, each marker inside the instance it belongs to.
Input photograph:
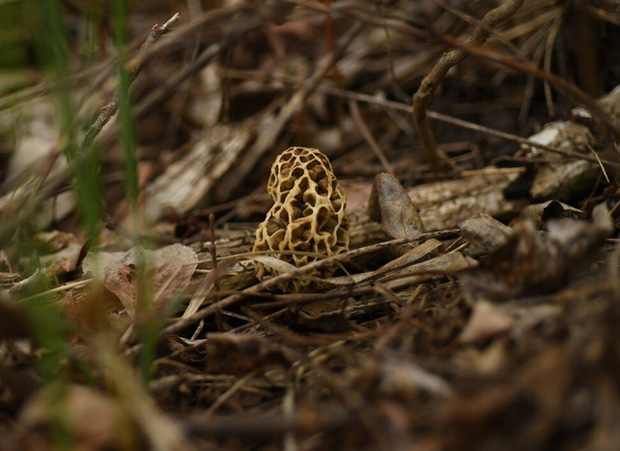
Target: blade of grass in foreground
(150, 326)
(50, 329)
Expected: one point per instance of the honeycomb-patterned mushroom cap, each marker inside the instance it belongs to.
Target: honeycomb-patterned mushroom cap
(308, 214)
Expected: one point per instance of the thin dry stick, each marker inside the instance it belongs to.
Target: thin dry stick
(59, 289)
(182, 323)
(269, 136)
(461, 123)
(553, 33)
(306, 269)
(230, 392)
(560, 83)
(429, 84)
(416, 31)
(399, 106)
(363, 128)
(168, 88)
(109, 110)
(216, 285)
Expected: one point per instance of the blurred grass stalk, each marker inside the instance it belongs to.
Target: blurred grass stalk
(149, 324)
(51, 329)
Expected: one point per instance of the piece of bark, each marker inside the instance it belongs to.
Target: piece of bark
(445, 204)
(199, 174)
(485, 232)
(565, 177)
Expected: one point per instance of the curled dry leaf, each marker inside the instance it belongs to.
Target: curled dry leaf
(534, 263)
(485, 322)
(169, 272)
(390, 205)
(541, 213)
(30, 284)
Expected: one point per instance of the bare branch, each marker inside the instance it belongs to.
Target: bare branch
(109, 110)
(435, 77)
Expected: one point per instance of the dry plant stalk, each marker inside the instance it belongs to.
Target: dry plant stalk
(109, 109)
(429, 84)
(43, 190)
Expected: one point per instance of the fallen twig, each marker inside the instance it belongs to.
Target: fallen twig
(461, 123)
(306, 269)
(109, 110)
(429, 84)
(372, 142)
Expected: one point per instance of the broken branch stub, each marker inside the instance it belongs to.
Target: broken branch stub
(435, 77)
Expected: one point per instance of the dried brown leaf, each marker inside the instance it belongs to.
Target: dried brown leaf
(390, 205)
(485, 322)
(169, 272)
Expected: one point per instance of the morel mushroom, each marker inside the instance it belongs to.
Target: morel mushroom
(308, 215)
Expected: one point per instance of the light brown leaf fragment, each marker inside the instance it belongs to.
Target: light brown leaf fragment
(553, 209)
(390, 205)
(96, 421)
(168, 273)
(429, 269)
(405, 379)
(428, 247)
(486, 321)
(485, 232)
(487, 361)
(208, 283)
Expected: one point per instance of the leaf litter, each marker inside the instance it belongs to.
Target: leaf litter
(492, 326)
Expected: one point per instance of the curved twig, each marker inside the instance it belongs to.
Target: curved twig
(429, 84)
